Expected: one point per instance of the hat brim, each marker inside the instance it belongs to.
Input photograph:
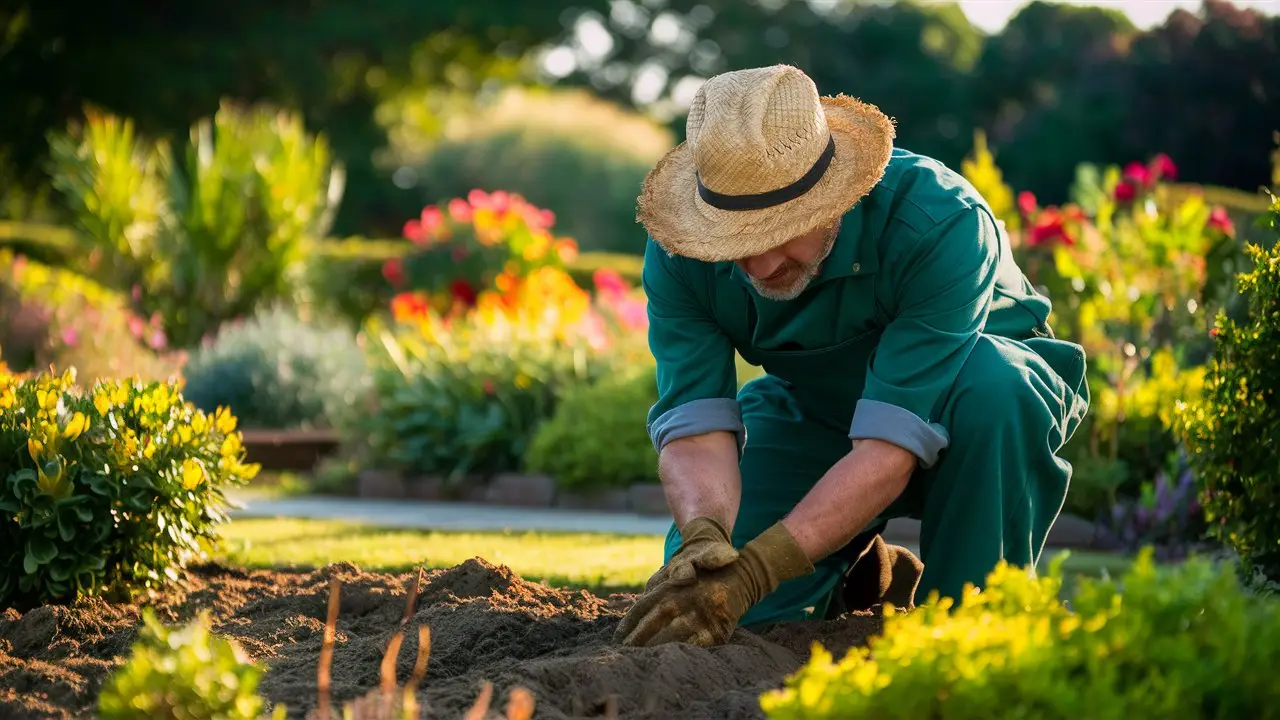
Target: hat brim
(680, 222)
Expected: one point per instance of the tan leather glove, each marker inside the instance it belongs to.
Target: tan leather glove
(707, 611)
(704, 544)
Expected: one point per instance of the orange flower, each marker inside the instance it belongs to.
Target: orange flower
(567, 249)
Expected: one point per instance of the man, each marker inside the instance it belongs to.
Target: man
(910, 367)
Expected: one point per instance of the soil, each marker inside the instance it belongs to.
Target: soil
(486, 625)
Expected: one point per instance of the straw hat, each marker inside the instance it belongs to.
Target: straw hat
(765, 159)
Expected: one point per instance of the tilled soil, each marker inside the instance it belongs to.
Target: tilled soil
(486, 624)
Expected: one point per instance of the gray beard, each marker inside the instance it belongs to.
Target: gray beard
(809, 272)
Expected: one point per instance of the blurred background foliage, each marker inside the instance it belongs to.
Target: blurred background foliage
(402, 88)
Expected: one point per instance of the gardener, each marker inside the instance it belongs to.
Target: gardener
(910, 368)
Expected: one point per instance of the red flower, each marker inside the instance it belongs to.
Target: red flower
(462, 291)
(1137, 173)
(1027, 202)
(1219, 220)
(1049, 227)
(489, 388)
(1163, 168)
(1125, 192)
(393, 271)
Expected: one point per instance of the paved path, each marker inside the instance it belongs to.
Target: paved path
(418, 514)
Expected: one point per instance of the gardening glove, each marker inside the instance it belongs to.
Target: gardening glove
(704, 545)
(707, 611)
(884, 574)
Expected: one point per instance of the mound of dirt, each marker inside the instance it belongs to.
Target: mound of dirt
(486, 624)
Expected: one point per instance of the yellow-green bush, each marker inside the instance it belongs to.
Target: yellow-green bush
(1163, 642)
(106, 490)
(596, 438)
(183, 673)
(1233, 433)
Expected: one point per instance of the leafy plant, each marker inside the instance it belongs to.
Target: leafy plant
(596, 438)
(277, 370)
(1233, 433)
(184, 673)
(206, 235)
(1165, 516)
(109, 490)
(1182, 641)
(52, 316)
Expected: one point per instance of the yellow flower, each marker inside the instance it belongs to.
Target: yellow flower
(225, 421)
(102, 402)
(523, 381)
(77, 425)
(192, 474)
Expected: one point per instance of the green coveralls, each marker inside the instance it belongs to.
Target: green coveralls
(922, 331)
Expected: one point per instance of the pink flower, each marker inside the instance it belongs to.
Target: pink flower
(478, 199)
(393, 271)
(609, 283)
(460, 211)
(70, 337)
(1125, 192)
(1027, 202)
(547, 218)
(633, 314)
(137, 326)
(136, 293)
(500, 201)
(157, 340)
(1137, 173)
(432, 218)
(1163, 168)
(1219, 220)
(413, 232)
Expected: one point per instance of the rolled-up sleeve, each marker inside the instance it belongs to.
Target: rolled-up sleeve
(697, 377)
(943, 284)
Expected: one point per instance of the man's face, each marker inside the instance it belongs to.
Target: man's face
(784, 273)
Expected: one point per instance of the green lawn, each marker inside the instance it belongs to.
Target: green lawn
(602, 563)
(599, 562)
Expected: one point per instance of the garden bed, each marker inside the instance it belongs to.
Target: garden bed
(487, 625)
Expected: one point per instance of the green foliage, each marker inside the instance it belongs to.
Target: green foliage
(207, 235)
(51, 316)
(109, 490)
(1162, 642)
(183, 673)
(468, 402)
(579, 156)
(1234, 431)
(596, 438)
(344, 278)
(277, 370)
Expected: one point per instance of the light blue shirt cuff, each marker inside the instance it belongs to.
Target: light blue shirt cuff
(698, 417)
(875, 420)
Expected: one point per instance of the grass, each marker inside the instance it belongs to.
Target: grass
(601, 563)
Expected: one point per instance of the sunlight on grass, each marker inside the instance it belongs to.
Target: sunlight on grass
(600, 562)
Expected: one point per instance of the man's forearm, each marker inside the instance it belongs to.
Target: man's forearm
(700, 478)
(851, 494)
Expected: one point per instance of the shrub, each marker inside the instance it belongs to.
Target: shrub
(1185, 641)
(554, 148)
(184, 673)
(1233, 433)
(107, 491)
(596, 438)
(276, 370)
(207, 235)
(467, 399)
(52, 316)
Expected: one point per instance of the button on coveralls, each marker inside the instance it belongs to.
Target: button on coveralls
(920, 330)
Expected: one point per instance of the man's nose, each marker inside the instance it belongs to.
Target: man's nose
(762, 266)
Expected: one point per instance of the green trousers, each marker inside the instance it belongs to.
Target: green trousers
(993, 494)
